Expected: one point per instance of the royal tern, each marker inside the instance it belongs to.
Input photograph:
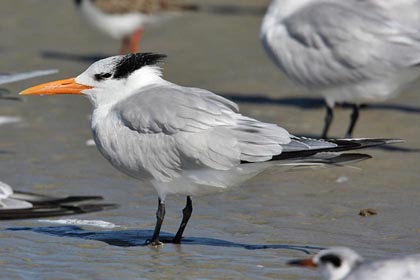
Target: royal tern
(125, 19)
(352, 52)
(341, 263)
(183, 140)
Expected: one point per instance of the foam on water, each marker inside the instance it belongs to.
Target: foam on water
(92, 223)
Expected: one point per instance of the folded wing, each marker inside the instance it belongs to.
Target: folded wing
(187, 128)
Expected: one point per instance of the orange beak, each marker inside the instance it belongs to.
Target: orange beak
(66, 86)
(303, 262)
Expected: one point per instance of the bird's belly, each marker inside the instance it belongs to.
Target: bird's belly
(207, 181)
(370, 91)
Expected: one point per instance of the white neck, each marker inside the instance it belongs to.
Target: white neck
(104, 100)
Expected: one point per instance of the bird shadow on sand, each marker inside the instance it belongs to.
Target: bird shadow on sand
(84, 58)
(132, 238)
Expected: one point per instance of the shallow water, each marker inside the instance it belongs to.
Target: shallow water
(247, 233)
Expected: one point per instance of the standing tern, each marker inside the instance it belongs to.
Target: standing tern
(341, 263)
(351, 52)
(125, 19)
(184, 140)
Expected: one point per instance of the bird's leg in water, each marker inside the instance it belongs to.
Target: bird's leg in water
(353, 119)
(186, 214)
(160, 215)
(328, 120)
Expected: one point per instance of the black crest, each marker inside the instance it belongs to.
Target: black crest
(131, 62)
(333, 259)
(78, 2)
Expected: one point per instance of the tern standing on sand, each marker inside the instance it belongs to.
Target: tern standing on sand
(125, 19)
(340, 263)
(183, 140)
(350, 51)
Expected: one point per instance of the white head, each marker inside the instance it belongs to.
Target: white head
(334, 264)
(108, 80)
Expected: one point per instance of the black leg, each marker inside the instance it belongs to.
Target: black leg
(185, 218)
(160, 215)
(353, 119)
(328, 120)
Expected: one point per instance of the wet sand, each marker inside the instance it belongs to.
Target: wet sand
(46, 153)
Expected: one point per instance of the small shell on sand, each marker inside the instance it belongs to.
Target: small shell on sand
(368, 212)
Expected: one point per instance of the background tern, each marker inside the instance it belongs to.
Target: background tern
(184, 140)
(6, 200)
(340, 263)
(351, 51)
(24, 205)
(125, 19)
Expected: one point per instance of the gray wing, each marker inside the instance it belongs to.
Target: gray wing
(169, 110)
(193, 127)
(14, 77)
(339, 43)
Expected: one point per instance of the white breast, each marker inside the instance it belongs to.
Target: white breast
(122, 147)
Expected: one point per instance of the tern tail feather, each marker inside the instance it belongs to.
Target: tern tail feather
(311, 147)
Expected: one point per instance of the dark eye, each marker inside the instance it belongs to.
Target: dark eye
(102, 76)
(333, 259)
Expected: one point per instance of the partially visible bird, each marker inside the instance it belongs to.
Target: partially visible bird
(125, 19)
(351, 52)
(6, 78)
(184, 140)
(8, 202)
(24, 205)
(341, 263)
